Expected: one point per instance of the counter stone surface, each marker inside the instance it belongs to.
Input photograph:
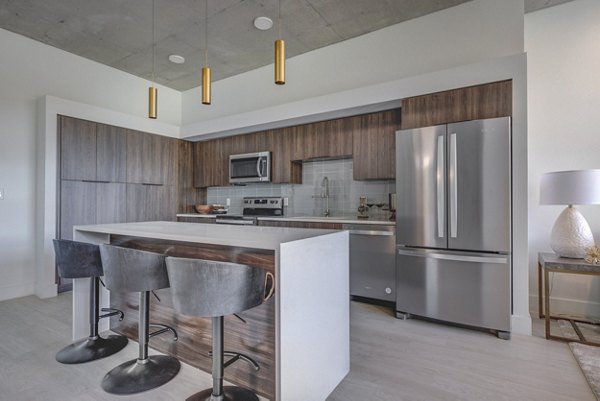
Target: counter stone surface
(216, 234)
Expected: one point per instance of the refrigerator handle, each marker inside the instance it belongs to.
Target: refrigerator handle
(440, 181)
(453, 178)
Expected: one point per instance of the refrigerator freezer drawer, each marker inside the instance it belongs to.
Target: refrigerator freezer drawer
(470, 289)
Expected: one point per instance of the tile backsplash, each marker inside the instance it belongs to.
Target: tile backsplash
(307, 198)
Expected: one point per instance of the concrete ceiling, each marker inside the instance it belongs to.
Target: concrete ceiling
(118, 33)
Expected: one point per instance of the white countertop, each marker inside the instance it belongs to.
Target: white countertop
(216, 234)
(308, 219)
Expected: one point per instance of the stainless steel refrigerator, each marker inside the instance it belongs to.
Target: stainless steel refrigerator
(453, 223)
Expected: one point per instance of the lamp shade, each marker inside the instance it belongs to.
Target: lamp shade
(577, 187)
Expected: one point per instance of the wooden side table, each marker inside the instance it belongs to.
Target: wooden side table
(550, 262)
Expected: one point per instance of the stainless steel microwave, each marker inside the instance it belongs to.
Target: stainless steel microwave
(250, 167)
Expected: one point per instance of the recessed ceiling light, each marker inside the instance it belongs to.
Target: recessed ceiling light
(263, 23)
(177, 59)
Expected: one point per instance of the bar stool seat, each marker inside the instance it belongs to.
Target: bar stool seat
(214, 289)
(82, 260)
(130, 270)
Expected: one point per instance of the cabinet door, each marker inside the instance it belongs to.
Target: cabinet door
(209, 165)
(111, 203)
(77, 206)
(283, 168)
(134, 151)
(137, 203)
(111, 157)
(170, 158)
(374, 152)
(77, 149)
(152, 159)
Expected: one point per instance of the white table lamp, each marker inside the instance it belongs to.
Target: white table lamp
(571, 234)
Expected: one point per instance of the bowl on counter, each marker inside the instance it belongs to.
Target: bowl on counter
(210, 209)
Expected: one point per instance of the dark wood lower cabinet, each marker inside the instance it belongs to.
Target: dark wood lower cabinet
(255, 338)
(77, 206)
(300, 224)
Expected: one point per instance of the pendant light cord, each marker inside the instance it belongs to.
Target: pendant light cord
(279, 20)
(206, 33)
(153, 40)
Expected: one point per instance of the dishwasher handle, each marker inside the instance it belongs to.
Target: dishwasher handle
(372, 232)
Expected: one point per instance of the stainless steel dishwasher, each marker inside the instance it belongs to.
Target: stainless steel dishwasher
(372, 261)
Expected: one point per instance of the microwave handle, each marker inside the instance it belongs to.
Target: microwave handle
(258, 169)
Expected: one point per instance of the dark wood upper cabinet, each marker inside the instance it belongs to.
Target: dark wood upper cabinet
(134, 156)
(322, 139)
(111, 153)
(77, 149)
(472, 103)
(374, 152)
(208, 164)
(283, 167)
(152, 159)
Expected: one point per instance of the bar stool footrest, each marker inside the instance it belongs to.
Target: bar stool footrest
(91, 349)
(230, 393)
(136, 376)
(235, 356)
(163, 329)
(112, 312)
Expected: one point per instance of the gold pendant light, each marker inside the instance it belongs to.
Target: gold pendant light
(152, 91)
(280, 55)
(206, 68)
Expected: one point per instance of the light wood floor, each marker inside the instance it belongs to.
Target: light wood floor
(391, 360)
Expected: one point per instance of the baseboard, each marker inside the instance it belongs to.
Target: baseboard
(46, 291)
(16, 291)
(567, 306)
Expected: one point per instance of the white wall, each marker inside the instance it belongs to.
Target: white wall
(28, 71)
(472, 32)
(563, 47)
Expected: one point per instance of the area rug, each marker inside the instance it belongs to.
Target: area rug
(588, 358)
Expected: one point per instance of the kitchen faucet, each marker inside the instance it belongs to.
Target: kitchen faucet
(325, 194)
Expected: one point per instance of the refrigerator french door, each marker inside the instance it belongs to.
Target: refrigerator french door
(453, 223)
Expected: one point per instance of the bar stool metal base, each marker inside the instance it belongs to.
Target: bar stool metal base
(90, 349)
(230, 393)
(135, 377)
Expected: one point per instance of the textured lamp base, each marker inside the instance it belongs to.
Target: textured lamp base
(571, 234)
(135, 377)
(230, 393)
(91, 349)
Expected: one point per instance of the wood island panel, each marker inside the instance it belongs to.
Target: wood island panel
(255, 338)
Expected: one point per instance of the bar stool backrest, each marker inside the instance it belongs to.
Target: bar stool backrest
(209, 288)
(132, 270)
(77, 259)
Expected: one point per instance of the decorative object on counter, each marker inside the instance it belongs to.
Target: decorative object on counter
(592, 255)
(571, 234)
(210, 209)
(363, 209)
(152, 91)
(392, 205)
(279, 54)
(206, 69)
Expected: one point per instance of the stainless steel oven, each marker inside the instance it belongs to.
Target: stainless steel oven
(250, 167)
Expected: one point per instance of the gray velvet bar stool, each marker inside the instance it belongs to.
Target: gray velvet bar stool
(207, 288)
(82, 260)
(130, 270)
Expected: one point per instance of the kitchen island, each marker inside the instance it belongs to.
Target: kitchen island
(300, 337)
